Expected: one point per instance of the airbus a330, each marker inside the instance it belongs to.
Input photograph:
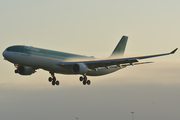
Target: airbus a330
(28, 59)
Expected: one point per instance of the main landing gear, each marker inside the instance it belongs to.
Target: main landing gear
(53, 79)
(84, 80)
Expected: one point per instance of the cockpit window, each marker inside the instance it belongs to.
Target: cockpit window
(10, 49)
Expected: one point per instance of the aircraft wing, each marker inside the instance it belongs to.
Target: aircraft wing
(92, 64)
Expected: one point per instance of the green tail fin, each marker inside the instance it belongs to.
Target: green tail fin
(120, 48)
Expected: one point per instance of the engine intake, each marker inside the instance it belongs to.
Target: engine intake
(79, 68)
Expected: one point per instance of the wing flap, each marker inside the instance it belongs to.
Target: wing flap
(105, 63)
(100, 63)
(136, 63)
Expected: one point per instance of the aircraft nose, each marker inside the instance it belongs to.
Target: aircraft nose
(4, 54)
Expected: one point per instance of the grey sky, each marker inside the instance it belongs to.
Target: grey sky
(93, 28)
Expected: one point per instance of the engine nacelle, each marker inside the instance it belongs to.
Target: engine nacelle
(79, 68)
(23, 70)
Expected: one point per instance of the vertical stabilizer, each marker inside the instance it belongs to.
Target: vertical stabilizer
(120, 48)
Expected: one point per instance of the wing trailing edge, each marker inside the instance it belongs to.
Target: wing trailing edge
(136, 64)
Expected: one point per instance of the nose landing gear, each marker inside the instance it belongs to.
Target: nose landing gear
(84, 80)
(53, 79)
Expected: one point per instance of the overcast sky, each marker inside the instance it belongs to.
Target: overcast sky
(93, 28)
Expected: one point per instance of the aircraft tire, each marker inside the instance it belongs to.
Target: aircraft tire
(81, 78)
(53, 82)
(84, 82)
(57, 82)
(16, 71)
(88, 82)
(50, 79)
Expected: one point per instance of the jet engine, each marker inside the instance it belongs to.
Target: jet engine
(23, 70)
(79, 68)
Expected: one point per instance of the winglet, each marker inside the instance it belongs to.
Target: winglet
(174, 51)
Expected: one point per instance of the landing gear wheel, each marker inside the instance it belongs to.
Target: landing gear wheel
(53, 79)
(16, 71)
(84, 82)
(88, 82)
(81, 78)
(57, 82)
(53, 82)
(50, 79)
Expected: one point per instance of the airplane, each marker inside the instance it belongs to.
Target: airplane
(28, 59)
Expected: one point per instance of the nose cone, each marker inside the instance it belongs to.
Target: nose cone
(4, 54)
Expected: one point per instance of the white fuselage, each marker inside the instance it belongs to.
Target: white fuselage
(50, 64)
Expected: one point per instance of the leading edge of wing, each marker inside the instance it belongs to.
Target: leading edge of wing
(107, 62)
(157, 55)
